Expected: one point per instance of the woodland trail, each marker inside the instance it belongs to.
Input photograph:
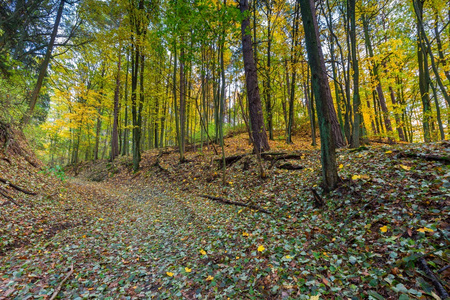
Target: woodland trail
(145, 241)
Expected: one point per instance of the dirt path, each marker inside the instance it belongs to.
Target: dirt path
(145, 241)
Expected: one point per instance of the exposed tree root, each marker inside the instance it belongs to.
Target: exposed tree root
(437, 284)
(16, 187)
(10, 199)
(230, 160)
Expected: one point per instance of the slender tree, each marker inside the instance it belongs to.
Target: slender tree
(259, 134)
(322, 93)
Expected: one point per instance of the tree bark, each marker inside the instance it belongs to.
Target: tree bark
(115, 134)
(260, 141)
(423, 64)
(357, 116)
(322, 93)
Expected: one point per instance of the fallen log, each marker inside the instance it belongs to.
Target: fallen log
(437, 284)
(273, 156)
(430, 157)
(289, 166)
(230, 160)
(229, 202)
(16, 187)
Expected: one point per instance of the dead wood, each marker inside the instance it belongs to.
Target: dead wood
(430, 157)
(289, 166)
(229, 202)
(318, 201)
(443, 269)
(6, 159)
(16, 187)
(58, 289)
(10, 199)
(161, 168)
(437, 284)
(229, 160)
(279, 156)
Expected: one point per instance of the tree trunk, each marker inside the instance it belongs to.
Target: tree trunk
(115, 135)
(43, 70)
(357, 116)
(378, 88)
(322, 93)
(423, 64)
(260, 141)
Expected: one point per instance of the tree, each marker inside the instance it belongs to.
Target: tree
(259, 134)
(322, 93)
(44, 65)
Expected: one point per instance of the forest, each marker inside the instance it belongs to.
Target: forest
(206, 149)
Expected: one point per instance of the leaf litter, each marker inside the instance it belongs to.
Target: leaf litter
(150, 235)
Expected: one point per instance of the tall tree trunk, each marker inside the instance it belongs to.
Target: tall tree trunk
(125, 148)
(291, 86)
(357, 116)
(267, 90)
(43, 69)
(322, 93)
(398, 121)
(115, 134)
(182, 106)
(423, 65)
(374, 69)
(426, 47)
(260, 141)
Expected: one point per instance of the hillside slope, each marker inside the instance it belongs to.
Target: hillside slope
(155, 234)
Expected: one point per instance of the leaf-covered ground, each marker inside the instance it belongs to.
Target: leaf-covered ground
(137, 236)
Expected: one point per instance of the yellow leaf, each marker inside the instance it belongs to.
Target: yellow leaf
(261, 248)
(237, 257)
(355, 177)
(384, 228)
(203, 252)
(405, 167)
(170, 274)
(425, 229)
(209, 278)
(245, 234)
(240, 211)
(188, 270)
(288, 257)
(314, 297)
(387, 152)
(341, 166)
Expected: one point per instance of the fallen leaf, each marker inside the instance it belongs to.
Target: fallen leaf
(425, 229)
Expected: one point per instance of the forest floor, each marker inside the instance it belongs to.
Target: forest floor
(383, 234)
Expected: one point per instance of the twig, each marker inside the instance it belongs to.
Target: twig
(225, 201)
(437, 284)
(58, 289)
(16, 187)
(443, 269)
